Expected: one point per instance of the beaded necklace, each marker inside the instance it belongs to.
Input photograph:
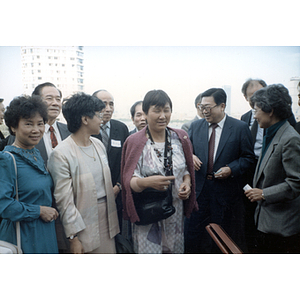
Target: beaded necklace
(168, 164)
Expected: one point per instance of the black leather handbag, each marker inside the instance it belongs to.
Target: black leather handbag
(153, 205)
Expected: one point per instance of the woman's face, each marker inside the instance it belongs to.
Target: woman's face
(95, 123)
(158, 117)
(29, 131)
(263, 119)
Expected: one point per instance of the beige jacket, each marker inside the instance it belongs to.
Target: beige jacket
(75, 193)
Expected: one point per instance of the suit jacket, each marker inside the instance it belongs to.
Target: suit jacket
(234, 150)
(118, 135)
(64, 133)
(278, 176)
(75, 193)
(187, 125)
(132, 131)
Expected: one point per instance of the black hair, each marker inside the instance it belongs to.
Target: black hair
(250, 80)
(24, 107)
(274, 97)
(158, 98)
(132, 108)
(38, 89)
(197, 100)
(79, 105)
(218, 94)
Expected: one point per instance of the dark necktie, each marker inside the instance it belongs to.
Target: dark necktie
(53, 137)
(104, 135)
(254, 128)
(211, 149)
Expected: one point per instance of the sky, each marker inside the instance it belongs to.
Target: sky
(129, 72)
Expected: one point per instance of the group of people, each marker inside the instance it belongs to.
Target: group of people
(77, 181)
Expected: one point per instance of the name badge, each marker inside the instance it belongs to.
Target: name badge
(115, 143)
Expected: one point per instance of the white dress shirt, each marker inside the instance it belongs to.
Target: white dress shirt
(218, 131)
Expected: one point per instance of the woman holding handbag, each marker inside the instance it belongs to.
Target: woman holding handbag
(158, 158)
(26, 118)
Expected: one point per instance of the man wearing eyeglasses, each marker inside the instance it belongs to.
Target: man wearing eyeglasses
(222, 153)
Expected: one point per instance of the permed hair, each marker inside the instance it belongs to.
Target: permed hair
(276, 98)
(24, 107)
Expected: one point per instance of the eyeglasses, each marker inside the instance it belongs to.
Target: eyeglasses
(207, 108)
(99, 115)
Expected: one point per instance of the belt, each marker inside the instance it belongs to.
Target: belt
(209, 177)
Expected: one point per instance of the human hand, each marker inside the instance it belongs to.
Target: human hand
(116, 190)
(197, 162)
(254, 195)
(76, 246)
(48, 214)
(184, 191)
(223, 173)
(159, 182)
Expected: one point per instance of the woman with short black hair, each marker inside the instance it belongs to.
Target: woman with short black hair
(26, 118)
(83, 189)
(148, 156)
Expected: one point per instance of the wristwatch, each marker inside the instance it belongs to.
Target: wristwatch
(263, 197)
(72, 237)
(119, 186)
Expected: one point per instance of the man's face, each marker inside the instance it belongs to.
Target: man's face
(212, 112)
(139, 118)
(108, 100)
(298, 95)
(251, 89)
(52, 98)
(2, 109)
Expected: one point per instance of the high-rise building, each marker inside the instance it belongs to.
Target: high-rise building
(61, 65)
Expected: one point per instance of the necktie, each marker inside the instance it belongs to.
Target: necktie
(104, 135)
(211, 149)
(53, 137)
(254, 128)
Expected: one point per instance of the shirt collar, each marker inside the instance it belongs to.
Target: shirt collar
(54, 125)
(221, 123)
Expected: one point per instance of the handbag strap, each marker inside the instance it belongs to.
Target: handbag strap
(18, 231)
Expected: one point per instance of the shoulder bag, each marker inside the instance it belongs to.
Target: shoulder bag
(153, 205)
(9, 248)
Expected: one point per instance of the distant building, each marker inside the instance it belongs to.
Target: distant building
(61, 65)
(294, 81)
(227, 89)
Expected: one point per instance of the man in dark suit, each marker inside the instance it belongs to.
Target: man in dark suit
(248, 89)
(113, 134)
(222, 153)
(137, 117)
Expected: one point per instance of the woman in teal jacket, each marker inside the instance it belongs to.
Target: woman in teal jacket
(26, 119)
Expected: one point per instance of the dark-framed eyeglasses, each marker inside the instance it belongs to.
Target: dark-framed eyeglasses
(207, 108)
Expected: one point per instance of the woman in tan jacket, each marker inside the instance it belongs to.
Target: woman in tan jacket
(83, 189)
